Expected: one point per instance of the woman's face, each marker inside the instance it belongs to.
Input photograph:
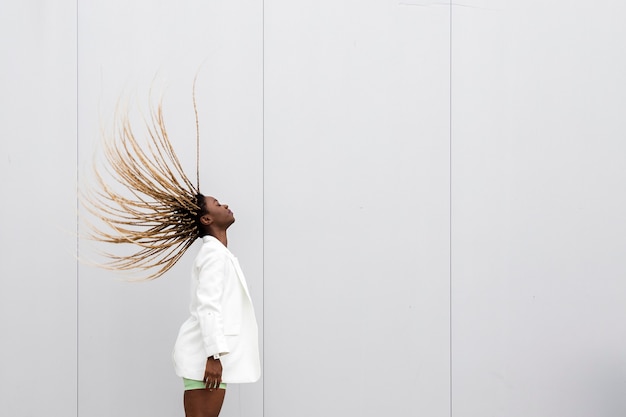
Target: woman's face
(220, 214)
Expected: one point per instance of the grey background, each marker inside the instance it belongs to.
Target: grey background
(429, 203)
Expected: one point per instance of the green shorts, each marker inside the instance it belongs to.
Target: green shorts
(195, 384)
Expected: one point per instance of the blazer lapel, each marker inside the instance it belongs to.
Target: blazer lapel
(241, 277)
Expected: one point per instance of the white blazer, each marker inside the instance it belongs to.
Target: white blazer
(222, 319)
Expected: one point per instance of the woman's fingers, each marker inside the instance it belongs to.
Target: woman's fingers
(213, 373)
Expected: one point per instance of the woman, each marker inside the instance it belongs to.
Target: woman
(161, 213)
(218, 343)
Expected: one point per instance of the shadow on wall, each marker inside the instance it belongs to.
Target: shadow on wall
(599, 391)
(608, 389)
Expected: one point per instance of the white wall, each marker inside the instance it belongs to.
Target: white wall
(356, 202)
(538, 231)
(38, 211)
(429, 203)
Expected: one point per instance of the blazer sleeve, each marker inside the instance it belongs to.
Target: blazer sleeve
(210, 291)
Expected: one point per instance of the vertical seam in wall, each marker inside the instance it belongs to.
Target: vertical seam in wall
(77, 222)
(450, 191)
(263, 188)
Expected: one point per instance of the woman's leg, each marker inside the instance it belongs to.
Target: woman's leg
(203, 402)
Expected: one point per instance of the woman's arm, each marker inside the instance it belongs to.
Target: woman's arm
(209, 293)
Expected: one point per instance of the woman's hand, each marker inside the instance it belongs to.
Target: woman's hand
(213, 373)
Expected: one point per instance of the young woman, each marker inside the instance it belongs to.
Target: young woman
(217, 345)
(161, 213)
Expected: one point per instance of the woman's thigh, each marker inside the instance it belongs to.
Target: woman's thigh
(203, 402)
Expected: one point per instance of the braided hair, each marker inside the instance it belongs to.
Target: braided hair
(159, 212)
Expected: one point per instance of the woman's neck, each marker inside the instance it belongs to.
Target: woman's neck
(220, 235)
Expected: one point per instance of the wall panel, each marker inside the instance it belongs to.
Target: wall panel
(131, 50)
(38, 210)
(538, 232)
(356, 209)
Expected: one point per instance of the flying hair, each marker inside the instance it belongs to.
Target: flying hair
(156, 209)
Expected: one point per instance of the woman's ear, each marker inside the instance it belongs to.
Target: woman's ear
(206, 219)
